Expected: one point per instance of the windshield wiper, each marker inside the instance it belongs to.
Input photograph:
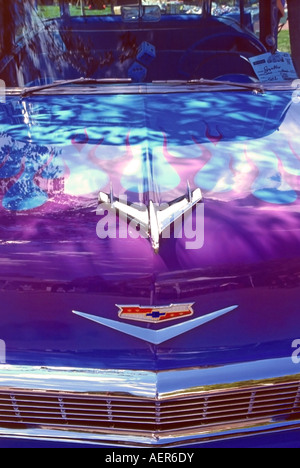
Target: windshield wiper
(78, 81)
(258, 87)
(27, 91)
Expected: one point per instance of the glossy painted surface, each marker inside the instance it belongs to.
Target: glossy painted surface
(67, 262)
(58, 152)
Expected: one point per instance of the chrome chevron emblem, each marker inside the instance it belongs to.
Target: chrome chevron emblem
(156, 337)
(154, 219)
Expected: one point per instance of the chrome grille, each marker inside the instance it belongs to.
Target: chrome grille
(97, 413)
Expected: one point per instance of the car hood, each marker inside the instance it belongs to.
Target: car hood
(68, 270)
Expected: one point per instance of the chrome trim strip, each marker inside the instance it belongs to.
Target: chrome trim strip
(149, 384)
(162, 385)
(127, 440)
(106, 382)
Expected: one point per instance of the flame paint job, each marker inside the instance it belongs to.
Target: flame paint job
(57, 153)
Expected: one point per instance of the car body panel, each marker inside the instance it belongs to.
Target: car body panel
(47, 195)
(149, 234)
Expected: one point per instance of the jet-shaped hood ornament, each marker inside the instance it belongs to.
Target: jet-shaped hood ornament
(155, 218)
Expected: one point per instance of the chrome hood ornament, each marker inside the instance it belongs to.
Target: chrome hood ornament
(155, 218)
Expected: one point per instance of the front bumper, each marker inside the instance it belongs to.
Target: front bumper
(186, 407)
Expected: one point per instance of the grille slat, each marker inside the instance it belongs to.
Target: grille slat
(20, 408)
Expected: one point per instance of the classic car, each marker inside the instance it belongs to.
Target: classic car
(149, 227)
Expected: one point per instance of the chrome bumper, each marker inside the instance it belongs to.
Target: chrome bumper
(144, 409)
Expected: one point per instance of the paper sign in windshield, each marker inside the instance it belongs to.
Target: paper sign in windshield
(274, 67)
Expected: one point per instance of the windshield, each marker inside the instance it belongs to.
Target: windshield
(51, 9)
(42, 41)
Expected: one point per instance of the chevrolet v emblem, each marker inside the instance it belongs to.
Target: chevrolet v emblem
(155, 314)
(156, 337)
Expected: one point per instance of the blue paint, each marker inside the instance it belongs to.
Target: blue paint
(143, 119)
(270, 185)
(215, 171)
(23, 164)
(275, 196)
(24, 195)
(165, 175)
(13, 163)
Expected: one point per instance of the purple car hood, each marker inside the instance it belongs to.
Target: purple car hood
(69, 267)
